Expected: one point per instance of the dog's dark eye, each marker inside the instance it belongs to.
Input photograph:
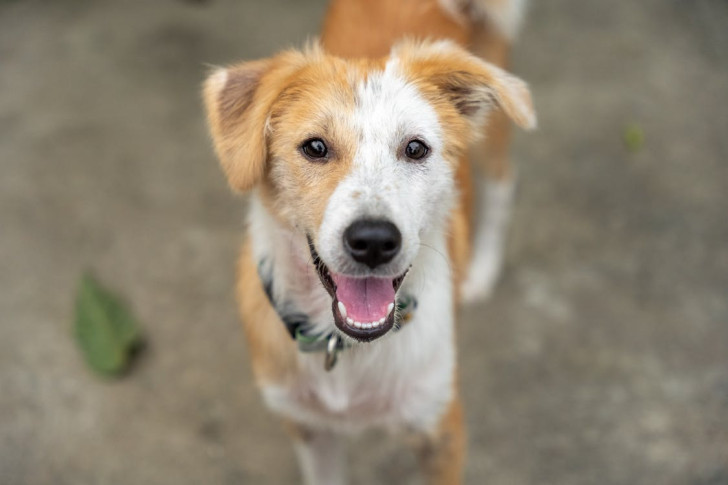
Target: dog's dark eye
(314, 148)
(416, 150)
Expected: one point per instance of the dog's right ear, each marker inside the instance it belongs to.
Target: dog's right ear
(236, 117)
(238, 100)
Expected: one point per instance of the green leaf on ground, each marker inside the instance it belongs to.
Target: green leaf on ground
(633, 137)
(105, 330)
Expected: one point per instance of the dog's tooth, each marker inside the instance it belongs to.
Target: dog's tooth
(358, 324)
(368, 325)
(381, 321)
(349, 321)
(374, 324)
(342, 310)
(390, 307)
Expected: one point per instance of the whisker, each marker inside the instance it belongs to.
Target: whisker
(444, 258)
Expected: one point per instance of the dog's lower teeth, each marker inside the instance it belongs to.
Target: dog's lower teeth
(390, 307)
(365, 325)
(342, 310)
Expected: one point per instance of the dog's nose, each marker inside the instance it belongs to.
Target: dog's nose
(372, 242)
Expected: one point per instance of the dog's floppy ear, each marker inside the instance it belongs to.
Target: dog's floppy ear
(238, 100)
(237, 121)
(471, 84)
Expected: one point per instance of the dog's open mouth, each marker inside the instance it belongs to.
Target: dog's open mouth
(363, 308)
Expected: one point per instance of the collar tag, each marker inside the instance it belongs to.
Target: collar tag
(332, 351)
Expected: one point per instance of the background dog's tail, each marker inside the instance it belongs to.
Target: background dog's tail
(504, 15)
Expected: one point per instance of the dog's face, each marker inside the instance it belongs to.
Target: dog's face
(357, 156)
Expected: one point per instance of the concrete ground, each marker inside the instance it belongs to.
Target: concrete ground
(601, 359)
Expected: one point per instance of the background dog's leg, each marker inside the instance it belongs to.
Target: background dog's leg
(494, 200)
(442, 454)
(493, 181)
(321, 455)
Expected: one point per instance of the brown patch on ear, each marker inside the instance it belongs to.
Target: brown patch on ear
(469, 83)
(458, 87)
(240, 86)
(238, 101)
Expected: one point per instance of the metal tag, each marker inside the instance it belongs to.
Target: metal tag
(332, 351)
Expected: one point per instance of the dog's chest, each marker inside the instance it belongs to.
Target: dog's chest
(393, 384)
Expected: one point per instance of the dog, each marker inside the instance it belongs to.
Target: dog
(368, 221)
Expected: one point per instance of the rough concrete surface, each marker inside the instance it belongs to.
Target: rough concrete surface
(602, 358)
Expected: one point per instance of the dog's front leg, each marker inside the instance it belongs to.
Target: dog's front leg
(442, 453)
(321, 454)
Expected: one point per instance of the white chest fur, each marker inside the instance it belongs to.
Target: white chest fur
(404, 379)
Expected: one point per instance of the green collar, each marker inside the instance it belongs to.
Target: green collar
(308, 342)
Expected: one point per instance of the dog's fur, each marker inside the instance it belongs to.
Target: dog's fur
(385, 72)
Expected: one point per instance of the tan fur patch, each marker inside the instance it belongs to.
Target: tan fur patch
(238, 100)
(350, 25)
(272, 350)
(467, 82)
(261, 112)
(443, 453)
(318, 103)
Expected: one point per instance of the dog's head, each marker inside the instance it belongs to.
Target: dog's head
(358, 156)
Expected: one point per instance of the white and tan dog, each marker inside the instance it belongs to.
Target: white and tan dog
(360, 221)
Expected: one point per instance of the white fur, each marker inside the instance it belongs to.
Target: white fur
(505, 15)
(216, 81)
(492, 215)
(413, 195)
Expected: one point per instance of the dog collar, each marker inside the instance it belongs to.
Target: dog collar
(299, 324)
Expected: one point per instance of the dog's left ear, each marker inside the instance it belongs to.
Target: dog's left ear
(472, 85)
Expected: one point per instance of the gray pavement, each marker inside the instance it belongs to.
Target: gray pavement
(602, 358)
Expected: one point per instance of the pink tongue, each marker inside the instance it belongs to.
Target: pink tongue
(366, 299)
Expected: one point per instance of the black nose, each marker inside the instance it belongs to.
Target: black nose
(372, 242)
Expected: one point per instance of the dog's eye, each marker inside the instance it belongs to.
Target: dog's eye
(416, 150)
(314, 148)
